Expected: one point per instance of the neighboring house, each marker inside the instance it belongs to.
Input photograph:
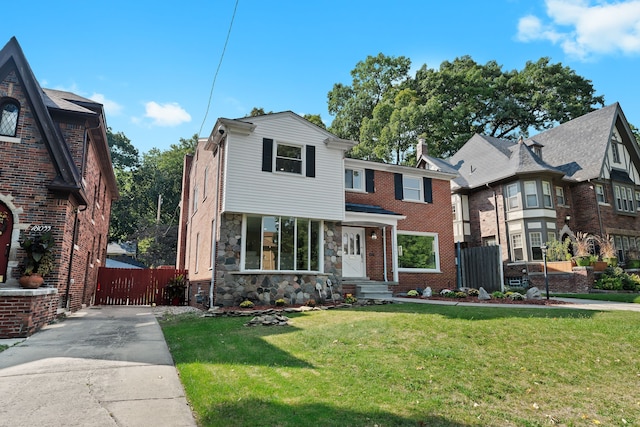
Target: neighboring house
(286, 227)
(581, 176)
(56, 175)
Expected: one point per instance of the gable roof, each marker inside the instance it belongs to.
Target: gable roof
(575, 149)
(68, 178)
(484, 160)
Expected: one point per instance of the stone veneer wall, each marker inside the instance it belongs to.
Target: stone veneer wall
(263, 288)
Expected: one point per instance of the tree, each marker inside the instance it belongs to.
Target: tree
(134, 216)
(316, 120)
(123, 154)
(258, 111)
(372, 79)
(448, 105)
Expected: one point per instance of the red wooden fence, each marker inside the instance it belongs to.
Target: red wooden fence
(134, 286)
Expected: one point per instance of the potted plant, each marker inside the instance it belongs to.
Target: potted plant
(582, 249)
(38, 261)
(558, 256)
(608, 250)
(174, 291)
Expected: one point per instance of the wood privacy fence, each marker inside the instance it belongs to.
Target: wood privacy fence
(481, 267)
(134, 286)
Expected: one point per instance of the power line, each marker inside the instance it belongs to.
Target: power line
(219, 64)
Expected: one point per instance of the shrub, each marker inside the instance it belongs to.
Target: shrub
(449, 294)
(497, 294)
(460, 294)
(558, 251)
(615, 279)
(350, 299)
(412, 293)
(280, 302)
(246, 304)
(515, 296)
(473, 292)
(311, 303)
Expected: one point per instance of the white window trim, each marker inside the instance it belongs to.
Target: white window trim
(362, 180)
(601, 193)
(436, 245)
(514, 247)
(243, 250)
(546, 185)
(302, 158)
(420, 198)
(564, 199)
(515, 197)
(535, 193)
(531, 246)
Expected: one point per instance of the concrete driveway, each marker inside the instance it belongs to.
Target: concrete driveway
(102, 366)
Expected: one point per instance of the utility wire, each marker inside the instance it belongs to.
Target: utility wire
(219, 64)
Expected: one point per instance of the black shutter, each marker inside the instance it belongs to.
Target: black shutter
(397, 180)
(368, 181)
(311, 161)
(428, 192)
(267, 155)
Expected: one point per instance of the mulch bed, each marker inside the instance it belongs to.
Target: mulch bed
(509, 301)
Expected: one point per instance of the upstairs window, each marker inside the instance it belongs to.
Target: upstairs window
(560, 200)
(624, 198)
(353, 179)
(9, 118)
(289, 158)
(615, 151)
(413, 188)
(531, 194)
(513, 201)
(546, 194)
(600, 194)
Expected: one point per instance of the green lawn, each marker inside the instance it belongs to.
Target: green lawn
(413, 365)
(617, 297)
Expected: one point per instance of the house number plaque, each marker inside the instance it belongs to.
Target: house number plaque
(41, 228)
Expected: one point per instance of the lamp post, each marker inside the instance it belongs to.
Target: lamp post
(546, 276)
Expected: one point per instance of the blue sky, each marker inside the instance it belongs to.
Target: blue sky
(152, 64)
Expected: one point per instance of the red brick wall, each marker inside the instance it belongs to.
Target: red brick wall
(27, 169)
(21, 316)
(433, 217)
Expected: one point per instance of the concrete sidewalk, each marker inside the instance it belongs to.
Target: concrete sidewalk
(102, 366)
(571, 303)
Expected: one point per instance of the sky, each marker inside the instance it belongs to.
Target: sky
(153, 64)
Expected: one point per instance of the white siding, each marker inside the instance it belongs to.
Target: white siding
(250, 190)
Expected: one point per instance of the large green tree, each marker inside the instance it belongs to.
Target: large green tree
(373, 79)
(448, 105)
(148, 209)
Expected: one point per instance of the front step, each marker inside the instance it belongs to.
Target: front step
(367, 289)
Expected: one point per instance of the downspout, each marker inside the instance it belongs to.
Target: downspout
(73, 245)
(384, 251)
(214, 231)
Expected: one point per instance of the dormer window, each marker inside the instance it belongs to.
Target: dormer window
(538, 150)
(9, 118)
(615, 151)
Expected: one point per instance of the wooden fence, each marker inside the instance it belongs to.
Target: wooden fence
(481, 267)
(131, 286)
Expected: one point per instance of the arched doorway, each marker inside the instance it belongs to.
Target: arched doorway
(6, 228)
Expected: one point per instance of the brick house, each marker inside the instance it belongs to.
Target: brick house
(56, 176)
(581, 176)
(298, 221)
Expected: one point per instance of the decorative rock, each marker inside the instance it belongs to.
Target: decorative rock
(427, 292)
(483, 294)
(533, 293)
(268, 320)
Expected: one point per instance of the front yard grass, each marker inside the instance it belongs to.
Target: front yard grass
(413, 365)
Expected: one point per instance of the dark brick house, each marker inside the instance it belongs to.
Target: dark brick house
(581, 176)
(55, 175)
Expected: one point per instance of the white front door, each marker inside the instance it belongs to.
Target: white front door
(353, 252)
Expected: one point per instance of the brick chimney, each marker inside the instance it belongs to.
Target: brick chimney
(421, 148)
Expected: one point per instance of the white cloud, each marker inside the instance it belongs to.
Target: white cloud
(583, 29)
(111, 108)
(166, 115)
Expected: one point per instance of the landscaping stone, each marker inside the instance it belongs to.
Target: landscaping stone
(533, 293)
(483, 294)
(269, 320)
(427, 292)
